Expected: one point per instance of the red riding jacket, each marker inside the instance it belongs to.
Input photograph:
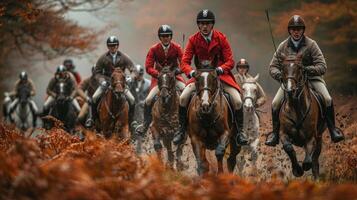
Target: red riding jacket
(156, 54)
(218, 46)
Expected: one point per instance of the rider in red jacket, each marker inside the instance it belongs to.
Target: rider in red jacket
(165, 52)
(207, 44)
(68, 63)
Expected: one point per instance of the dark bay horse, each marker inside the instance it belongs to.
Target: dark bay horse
(63, 108)
(210, 124)
(113, 108)
(300, 117)
(165, 117)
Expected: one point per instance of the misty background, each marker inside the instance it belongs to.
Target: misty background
(136, 23)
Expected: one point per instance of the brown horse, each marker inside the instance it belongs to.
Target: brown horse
(300, 117)
(113, 108)
(165, 117)
(210, 124)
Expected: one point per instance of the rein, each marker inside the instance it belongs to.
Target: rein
(300, 88)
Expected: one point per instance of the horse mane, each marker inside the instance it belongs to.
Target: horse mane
(206, 66)
(166, 69)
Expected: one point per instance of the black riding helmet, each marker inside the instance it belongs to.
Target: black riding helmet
(68, 63)
(164, 30)
(61, 71)
(112, 41)
(242, 63)
(140, 69)
(296, 21)
(206, 16)
(23, 76)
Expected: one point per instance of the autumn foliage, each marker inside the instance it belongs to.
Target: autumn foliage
(58, 164)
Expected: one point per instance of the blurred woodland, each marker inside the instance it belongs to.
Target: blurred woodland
(38, 27)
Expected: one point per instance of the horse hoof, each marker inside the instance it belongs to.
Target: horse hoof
(306, 165)
(220, 149)
(298, 171)
(157, 146)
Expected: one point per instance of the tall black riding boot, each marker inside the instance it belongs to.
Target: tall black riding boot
(335, 133)
(181, 133)
(142, 129)
(90, 121)
(241, 138)
(273, 137)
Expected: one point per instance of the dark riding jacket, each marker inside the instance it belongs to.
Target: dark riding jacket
(312, 58)
(19, 84)
(105, 65)
(70, 86)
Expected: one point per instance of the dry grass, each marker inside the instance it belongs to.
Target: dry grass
(58, 165)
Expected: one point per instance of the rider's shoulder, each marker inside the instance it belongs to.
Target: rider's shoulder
(219, 34)
(310, 41)
(283, 43)
(175, 45)
(124, 55)
(155, 46)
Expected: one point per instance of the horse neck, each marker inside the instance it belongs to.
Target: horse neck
(112, 101)
(301, 103)
(173, 101)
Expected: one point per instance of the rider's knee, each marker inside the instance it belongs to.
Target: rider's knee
(276, 104)
(328, 100)
(183, 101)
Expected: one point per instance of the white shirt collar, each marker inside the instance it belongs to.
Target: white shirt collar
(208, 37)
(296, 43)
(113, 54)
(165, 47)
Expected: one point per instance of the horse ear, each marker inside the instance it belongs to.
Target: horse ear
(256, 77)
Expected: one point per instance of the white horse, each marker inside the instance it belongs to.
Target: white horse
(249, 153)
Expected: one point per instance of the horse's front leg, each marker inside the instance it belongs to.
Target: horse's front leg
(179, 164)
(221, 148)
(170, 154)
(289, 149)
(157, 143)
(200, 155)
(315, 157)
(309, 148)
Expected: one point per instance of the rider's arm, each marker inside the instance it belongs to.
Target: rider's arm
(275, 66)
(149, 64)
(319, 64)
(99, 68)
(81, 93)
(261, 97)
(187, 57)
(50, 88)
(32, 86)
(228, 64)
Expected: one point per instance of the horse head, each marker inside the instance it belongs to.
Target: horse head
(207, 84)
(250, 91)
(118, 82)
(61, 97)
(293, 76)
(167, 83)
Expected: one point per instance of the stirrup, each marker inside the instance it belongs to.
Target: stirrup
(273, 140)
(89, 123)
